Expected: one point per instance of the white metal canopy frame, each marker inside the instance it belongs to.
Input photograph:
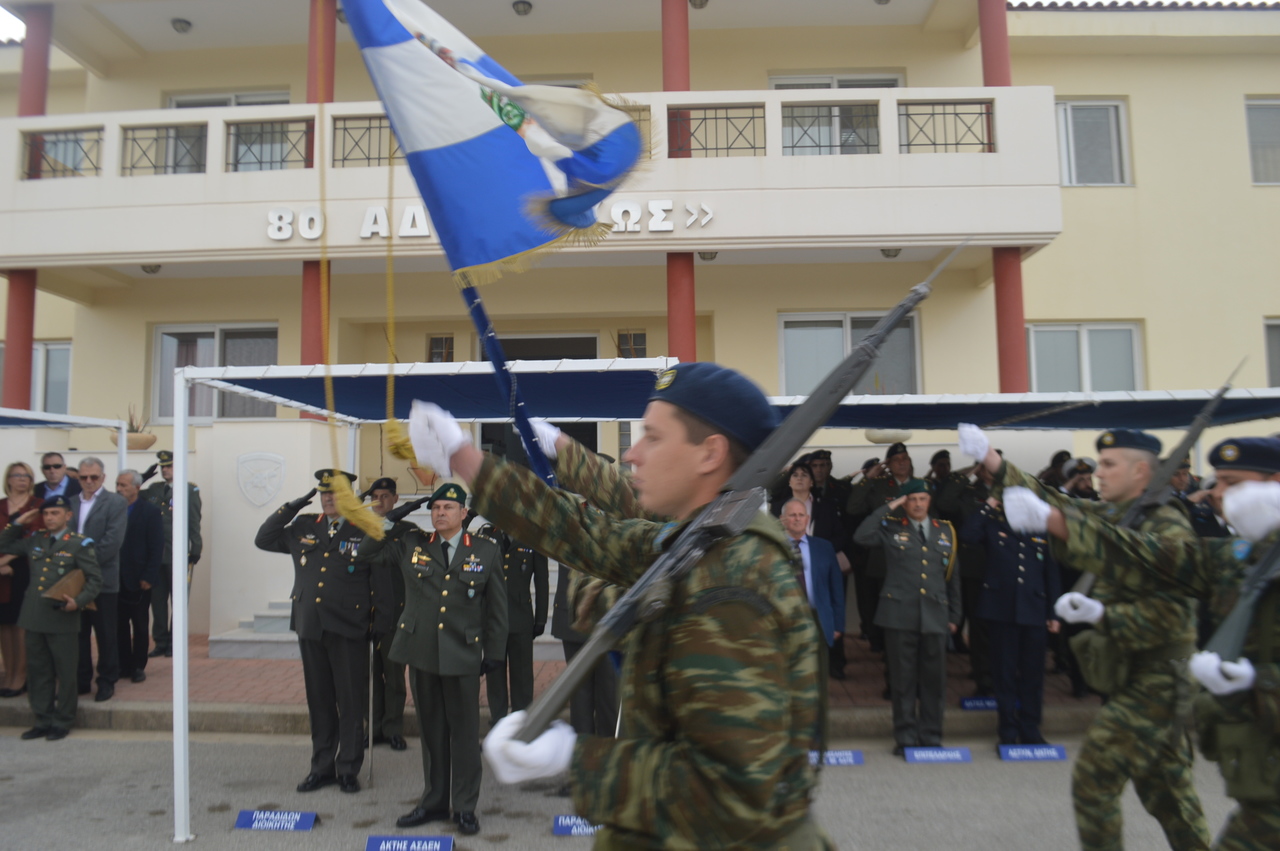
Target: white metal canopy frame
(608, 390)
(19, 418)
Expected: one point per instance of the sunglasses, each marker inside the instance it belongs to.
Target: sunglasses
(52, 466)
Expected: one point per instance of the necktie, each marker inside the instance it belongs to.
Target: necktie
(444, 545)
(804, 586)
(924, 539)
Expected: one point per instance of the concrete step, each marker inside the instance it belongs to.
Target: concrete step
(251, 644)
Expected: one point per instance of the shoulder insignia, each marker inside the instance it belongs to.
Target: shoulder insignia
(728, 594)
(663, 533)
(86, 542)
(1241, 549)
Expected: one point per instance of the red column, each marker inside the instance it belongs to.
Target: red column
(1011, 331)
(682, 338)
(320, 75)
(20, 319)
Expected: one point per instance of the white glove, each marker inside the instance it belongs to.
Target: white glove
(547, 435)
(1074, 607)
(973, 442)
(1221, 677)
(1025, 511)
(435, 435)
(515, 762)
(1253, 508)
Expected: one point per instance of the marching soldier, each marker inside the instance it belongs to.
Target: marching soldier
(452, 630)
(919, 607)
(160, 494)
(1238, 718)
(1142, 636)
(53, 626)
(526, 620)
(334, 598)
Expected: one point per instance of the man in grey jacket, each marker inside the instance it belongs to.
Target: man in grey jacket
(102, 517)
(919, 605)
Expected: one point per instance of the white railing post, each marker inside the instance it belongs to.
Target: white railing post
(178, 583)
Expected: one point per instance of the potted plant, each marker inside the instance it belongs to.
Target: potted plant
(138, 438)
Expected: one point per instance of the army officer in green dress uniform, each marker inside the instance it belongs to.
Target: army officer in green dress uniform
(53, 626)
(334, 602)
(452, 630)
(160, 495)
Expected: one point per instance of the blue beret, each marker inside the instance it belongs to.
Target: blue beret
(725, 398)
(1260, 454)
(456, 493)
(56, 502)
(1128, 438)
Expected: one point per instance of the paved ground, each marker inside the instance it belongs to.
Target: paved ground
(108, 789)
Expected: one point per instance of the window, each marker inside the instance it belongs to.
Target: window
(1091, 143)
(813, 343)
(1264, 140)
(1273, 352)
(440, 349)
(251, 146)
(817, 129)
(633, 344)
(50, 376)
(1102, 356)
(211, 345)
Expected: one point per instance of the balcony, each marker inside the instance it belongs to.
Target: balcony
(731, 170)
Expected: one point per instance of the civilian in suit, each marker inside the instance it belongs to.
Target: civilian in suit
(56, 481)
(141, 562)
(919, 606)
(818, 574)
(102, 517)
(1018, 593)
(522, 568)
(453, 630)
(334, 598)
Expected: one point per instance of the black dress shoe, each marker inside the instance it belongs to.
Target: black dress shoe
(397, 742)
(159, 651)
(565, 791)
(83, 690)
(900, 750)
(14, 692)
(56, 733)
(348, 783)
(1037, 739)
(35, 733)
(887, 694)
(105, 692)
(314, 781)
(418, 816)
(467, 823)
(138, 677)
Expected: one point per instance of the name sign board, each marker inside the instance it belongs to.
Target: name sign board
(409, 843)
(573, 826)
(275, 820)
(919, 755)
(1033, 753)
(978, 704)
(837, 758)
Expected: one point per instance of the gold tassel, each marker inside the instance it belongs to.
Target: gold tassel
(398, 443)
(350, 507)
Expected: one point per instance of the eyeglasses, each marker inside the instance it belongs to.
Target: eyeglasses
(19, 476)
(52, 466)
(88, 478)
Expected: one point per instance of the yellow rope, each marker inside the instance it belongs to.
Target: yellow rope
(397, 439)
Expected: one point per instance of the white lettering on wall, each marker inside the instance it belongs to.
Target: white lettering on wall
(658, 216)
(375, 221)
(310, 223)
(280, 223)
(414, 221)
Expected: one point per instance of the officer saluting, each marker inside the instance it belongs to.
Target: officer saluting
(452, 630)
(160, 495)
(333, 604)
(53, 626)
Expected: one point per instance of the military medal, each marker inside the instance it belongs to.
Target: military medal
(471, 592)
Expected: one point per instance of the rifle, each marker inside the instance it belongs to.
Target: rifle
(1228, 638)
(728, 514)
(1159, 491)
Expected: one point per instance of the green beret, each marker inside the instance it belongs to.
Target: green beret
(911, 486)
(453, 492)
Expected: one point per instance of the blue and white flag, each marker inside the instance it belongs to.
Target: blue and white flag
(506, 170)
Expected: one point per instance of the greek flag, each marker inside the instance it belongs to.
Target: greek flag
(507, 170)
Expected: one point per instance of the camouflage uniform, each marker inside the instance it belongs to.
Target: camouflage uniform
(1239, 731)
(720, 691)
(1136, 734)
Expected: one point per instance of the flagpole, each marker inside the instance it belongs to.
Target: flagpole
(507, 384)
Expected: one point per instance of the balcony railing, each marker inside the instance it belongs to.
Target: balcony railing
(788, 123)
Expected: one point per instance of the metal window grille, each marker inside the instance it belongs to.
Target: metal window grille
(270, 146)
(716, 131)
(641, 115)
(633, 344)
(440, 350)
(165, 150)
(945, 128)
(359, 142)
(825, 129)
(62, 153)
